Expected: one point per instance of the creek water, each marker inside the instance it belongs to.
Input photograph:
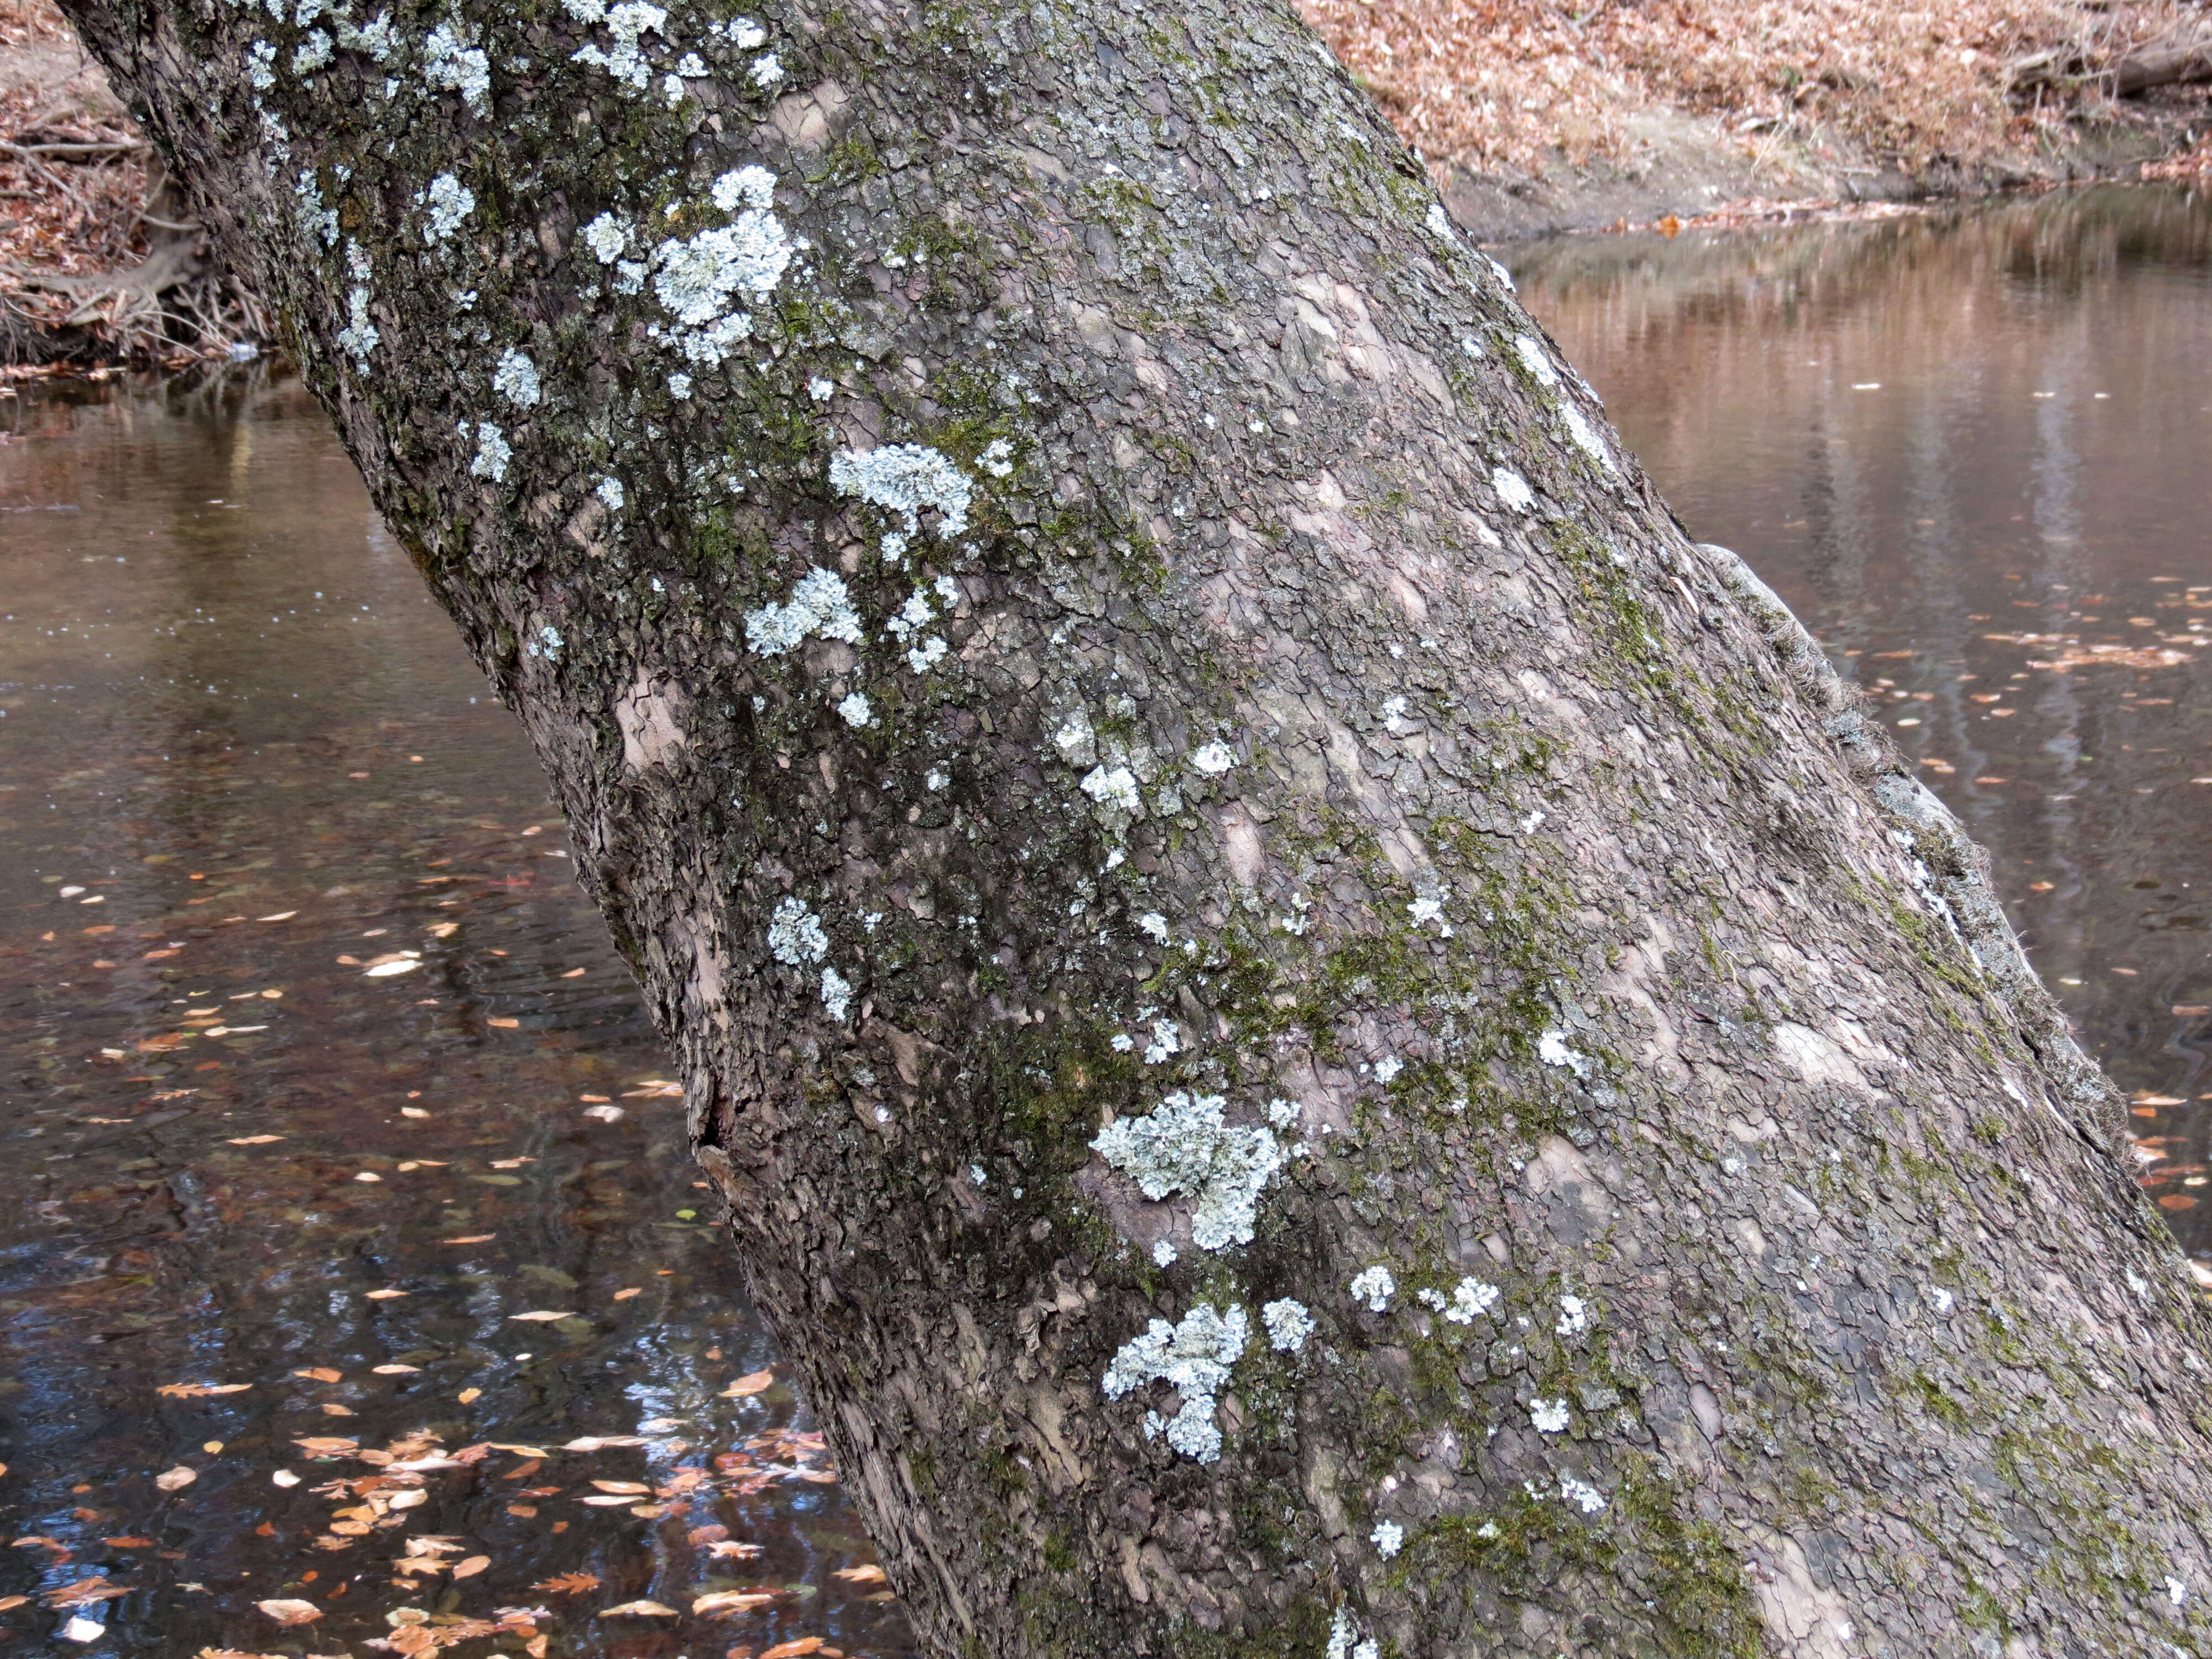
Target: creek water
(324, 1090)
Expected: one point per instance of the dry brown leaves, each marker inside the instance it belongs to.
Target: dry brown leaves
(1481, 84)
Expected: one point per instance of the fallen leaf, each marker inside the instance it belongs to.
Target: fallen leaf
(253, 1140)
(601, 1500)
(200, 1390)
(542, 1315)
(176, 1479)
(332, 1409)
(85, 1592)
(870, 1574)
(468, 1396)
(384, 1296)
(128, 1543)
(636, 1488)
(792, 1649)
(568, 1583)
(471, 1238)
(598, 1442)
(284, 1478)
(624, 1294)
(727, 1602)
(81, 1629)
(641, 1610)
(409, 1498)
(732, 1547)
(326, 1445)
(504, 1024)
(386, 970)
(10, 1602)
(471, 1566)
(291, 1613)
(754, 1382)
(281, 915)
(322, 1374)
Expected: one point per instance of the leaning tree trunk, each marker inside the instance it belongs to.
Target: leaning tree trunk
(1322, 1035)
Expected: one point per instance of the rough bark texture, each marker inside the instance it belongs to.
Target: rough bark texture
(1331, 722)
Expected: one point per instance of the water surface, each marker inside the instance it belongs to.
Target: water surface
(324, 1091)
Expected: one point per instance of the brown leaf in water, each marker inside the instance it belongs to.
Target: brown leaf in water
(253, 1140)
(397, 1371)
(542, 1315)
(754, 1382)
(638, 1487)
(384, 1296)
(624, 1295)
(468, 1396)
(472, 1238)
(8, 1602)
(176, 1479)
(84, 1592)
(640, 1610)
(326, 1446)
(732, 1547)
(792, 1649)
(601, 1500)
(322, 1374)
(724, 1602)
(285, 1612)
(470, 1567)
(568, 1584)
(870, 1574)
(127, 1543)
(200, 1390)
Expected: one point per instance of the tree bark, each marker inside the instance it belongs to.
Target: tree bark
(1322, 1035)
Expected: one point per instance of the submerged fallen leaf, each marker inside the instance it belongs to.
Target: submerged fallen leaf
(602, 1500)
(253, 1140)
(568, 1584)
(386, 969)
(754, 1382)
(7, 1602)
(598, 1442)
(384, 1296)
(176, 1479)
(470, 1567)
(322, 1374)
(284, 1478)
(200, 1390)
(641, 1610)
(543, 1315)
(634, 1487)
(468, 1396)
(85, 1592)
(81, 1629)
(792, 1649)
(728, 1601)
(870, 1574)
(397, 1371)
(625, 1294)
(290, 1612)
(326, 1446)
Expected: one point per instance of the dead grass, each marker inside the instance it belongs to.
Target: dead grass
(1485, 85)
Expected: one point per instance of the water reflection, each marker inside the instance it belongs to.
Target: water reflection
(1972, 450)
(352, 1261)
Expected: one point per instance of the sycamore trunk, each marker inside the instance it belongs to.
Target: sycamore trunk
(1322, 1036)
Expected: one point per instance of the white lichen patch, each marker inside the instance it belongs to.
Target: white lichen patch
(1193, 1357)
(1550, 1416)
(1389, 1538)
(795, 935)
(628, 23)
(1387, 1068)
(1574, 1317)
(1167, 1039)
(996, 458)
(449, 62)
(819, 389)
(446, 202)
(1342, 1632)
(1374, 1286)
(608, 238)
(1536, 360)
(696, 278)
(1185, 1144)
(1582, 1495)
(767, 70)
(819, 604)
(1213, 758)
(1470, 1299)
(1164, 1254)
(1289, 1324)
(610, 494)
(1438, 221)
(1114, 787)
(516, 378)
(855, 710)
(492, 452)
(1586, 439)
(1553, 1049)
(313, 53)
(752, 187)
(1512, 489)
(836, 995)
(905, 479)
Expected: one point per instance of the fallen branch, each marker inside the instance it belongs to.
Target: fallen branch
(2174, 58)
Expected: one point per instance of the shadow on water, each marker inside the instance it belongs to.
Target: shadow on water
(325, 1095)
(1972, 450)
